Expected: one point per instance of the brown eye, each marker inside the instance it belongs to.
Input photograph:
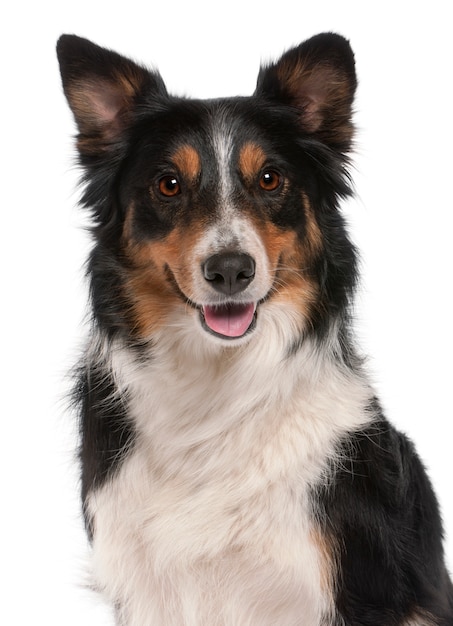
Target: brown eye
(169, 186)
(270, 180)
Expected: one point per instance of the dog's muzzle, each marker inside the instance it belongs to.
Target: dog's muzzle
(229, 274)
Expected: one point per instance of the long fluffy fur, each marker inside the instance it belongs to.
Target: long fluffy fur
(237, 468)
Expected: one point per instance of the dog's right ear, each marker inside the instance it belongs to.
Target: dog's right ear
(103, 89)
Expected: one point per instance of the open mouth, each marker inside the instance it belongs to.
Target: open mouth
(230, 320)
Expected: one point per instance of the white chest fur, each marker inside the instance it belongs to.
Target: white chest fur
(209, 520)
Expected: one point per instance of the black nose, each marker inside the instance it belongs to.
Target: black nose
(229, 272)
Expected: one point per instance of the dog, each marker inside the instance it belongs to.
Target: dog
(237, 468)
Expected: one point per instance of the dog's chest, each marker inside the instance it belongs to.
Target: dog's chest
(210, 518)
(228, 539)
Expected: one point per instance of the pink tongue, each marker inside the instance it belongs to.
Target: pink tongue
(230, 320)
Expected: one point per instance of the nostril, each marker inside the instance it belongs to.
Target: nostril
(229, 272)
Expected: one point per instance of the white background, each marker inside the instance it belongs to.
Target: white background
(402, 221)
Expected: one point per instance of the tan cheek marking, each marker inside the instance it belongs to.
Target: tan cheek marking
(188, 161)
(149, 289)
(292, 283)
(290, 261)
(150, 300)
(251, 160)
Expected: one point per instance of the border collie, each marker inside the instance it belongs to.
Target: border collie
(237, 468)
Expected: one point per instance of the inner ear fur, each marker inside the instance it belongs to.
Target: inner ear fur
(102, 89)
(318, 79)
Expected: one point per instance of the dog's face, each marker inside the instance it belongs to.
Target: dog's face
(213, 210)
(216, 221)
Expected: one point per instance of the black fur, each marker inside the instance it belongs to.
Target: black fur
(106, 433)
(383, 515)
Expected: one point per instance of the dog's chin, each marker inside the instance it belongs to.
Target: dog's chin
(229, 322)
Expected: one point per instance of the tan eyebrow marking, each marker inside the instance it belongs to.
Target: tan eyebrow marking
(251, 160)
(187, 160)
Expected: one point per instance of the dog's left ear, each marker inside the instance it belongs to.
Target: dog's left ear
(318, 79)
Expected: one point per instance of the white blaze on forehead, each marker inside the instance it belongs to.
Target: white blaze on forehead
(223, 140)
(223, 150)
(230, 228)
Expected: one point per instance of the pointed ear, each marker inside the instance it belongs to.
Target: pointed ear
(103, 89)
(318, 79)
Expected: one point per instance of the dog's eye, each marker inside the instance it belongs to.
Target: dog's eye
(169, 186)
(270, 180)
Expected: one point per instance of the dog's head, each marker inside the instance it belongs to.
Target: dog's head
(216, 212)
